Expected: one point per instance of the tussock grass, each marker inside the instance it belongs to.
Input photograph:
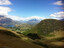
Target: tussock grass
(8, 40)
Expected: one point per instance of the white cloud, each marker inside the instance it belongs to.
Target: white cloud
(35, 17)
(58, 3)
(5, 2)
(17, 18)
(58, 15)
(4, 10)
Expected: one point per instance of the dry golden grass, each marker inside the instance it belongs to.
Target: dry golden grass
(58, 43)
(57, 34)
(4, 29)
(8, 41)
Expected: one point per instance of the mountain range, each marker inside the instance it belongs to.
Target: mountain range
(62, 19)
(7, 22)
(4, 21)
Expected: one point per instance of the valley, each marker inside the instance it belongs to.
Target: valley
(49, 33)
(31, 24)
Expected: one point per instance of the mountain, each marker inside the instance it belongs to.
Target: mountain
(5, 22)
(33, 21)
(62, 19)
(48, 33)
(48, 25)
(10, 39)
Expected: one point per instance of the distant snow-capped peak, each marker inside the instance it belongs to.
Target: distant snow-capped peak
(18, 18)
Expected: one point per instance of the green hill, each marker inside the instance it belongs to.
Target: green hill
(10, 39)
(48, 25)
(50, 31)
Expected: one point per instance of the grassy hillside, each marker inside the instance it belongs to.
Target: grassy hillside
(56, 41)
(48, 25)
(8, 32)
(50, 31)
(9, 39)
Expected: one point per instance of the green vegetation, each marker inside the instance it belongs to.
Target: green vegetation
(49, 33)
(21, 28)
(48, 25)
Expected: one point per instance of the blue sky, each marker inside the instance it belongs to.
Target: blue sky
(30, 8)
(26, 8)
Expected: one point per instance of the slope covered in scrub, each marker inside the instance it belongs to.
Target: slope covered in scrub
(48, 25)
(10, 39)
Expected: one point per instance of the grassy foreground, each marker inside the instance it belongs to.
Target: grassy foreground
(9, 39)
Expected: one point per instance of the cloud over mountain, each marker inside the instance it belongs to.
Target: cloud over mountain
(5, 10)
(17, 18)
